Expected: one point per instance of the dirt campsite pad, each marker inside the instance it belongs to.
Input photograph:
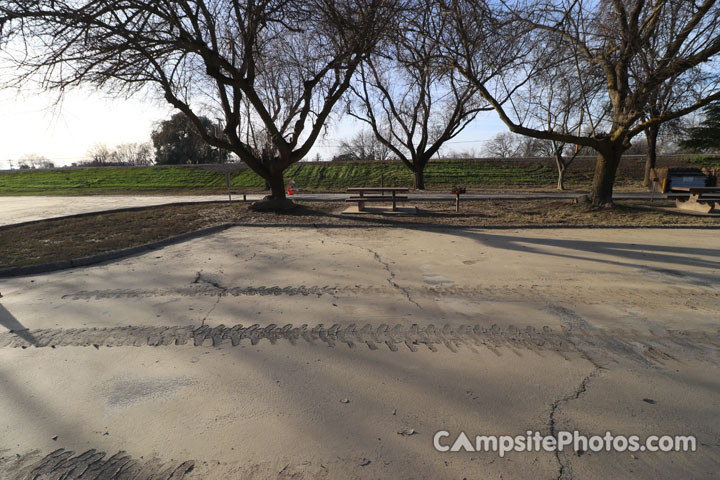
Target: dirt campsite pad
(339, 352)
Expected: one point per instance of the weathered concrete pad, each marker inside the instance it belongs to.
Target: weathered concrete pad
(532, 330)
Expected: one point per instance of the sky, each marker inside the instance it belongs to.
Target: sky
(31, 122)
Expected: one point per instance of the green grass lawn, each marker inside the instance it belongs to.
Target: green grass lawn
(308, 176)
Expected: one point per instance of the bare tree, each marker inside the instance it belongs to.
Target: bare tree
(133, 154)
(511, 145)
(364, 146)
(558, 99)
(563, 160)
(281, 63)
(33, 160)
(503, 145)
(468, 153)
(676, 92)
(98, 155)
(613, 36)
(412, 102)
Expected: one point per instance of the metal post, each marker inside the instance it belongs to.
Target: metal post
(227, 183)
(652, 191)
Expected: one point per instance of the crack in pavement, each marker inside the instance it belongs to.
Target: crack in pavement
(212, 308)
(391, 274)
(223, 290)
(391, 278)
(200, 278)
(565, 470)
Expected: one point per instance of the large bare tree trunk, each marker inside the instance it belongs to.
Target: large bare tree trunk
(277, 185)
(419, 183)
(266, 162)
(276, 201)
(652, 135)
(604, 179)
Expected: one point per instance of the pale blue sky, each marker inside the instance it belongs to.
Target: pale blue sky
(30, 123)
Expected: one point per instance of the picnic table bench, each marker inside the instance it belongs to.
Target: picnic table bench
(698, 199)
(377, 194)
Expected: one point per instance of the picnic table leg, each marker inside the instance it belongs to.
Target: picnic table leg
(694, 204)
(361, 204)
(394, 205)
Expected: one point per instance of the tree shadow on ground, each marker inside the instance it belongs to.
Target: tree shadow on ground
(8, 321)
(678, 262)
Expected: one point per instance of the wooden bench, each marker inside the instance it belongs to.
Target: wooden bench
(697, 199)
(379, 195)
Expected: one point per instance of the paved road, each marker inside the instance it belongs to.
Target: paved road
(338, 353)
(26, 208)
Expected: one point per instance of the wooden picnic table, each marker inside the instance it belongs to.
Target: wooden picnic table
(698, 199)
(361, 198)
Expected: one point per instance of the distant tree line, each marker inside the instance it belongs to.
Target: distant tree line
(125, 154)
(32, 161)
(175, 141)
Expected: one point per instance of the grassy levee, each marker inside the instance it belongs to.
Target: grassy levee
(107, 179)
(314, 176)
(308, 176)
(339, 176)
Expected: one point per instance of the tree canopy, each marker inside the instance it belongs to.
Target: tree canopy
(272, 70)
(409, 98)
(616, 41)
(178, 141)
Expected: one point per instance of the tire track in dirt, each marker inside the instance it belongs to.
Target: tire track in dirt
(90, 465)
(646, 348)
(677, 296)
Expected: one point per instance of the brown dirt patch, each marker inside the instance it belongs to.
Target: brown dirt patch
(75, 237)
